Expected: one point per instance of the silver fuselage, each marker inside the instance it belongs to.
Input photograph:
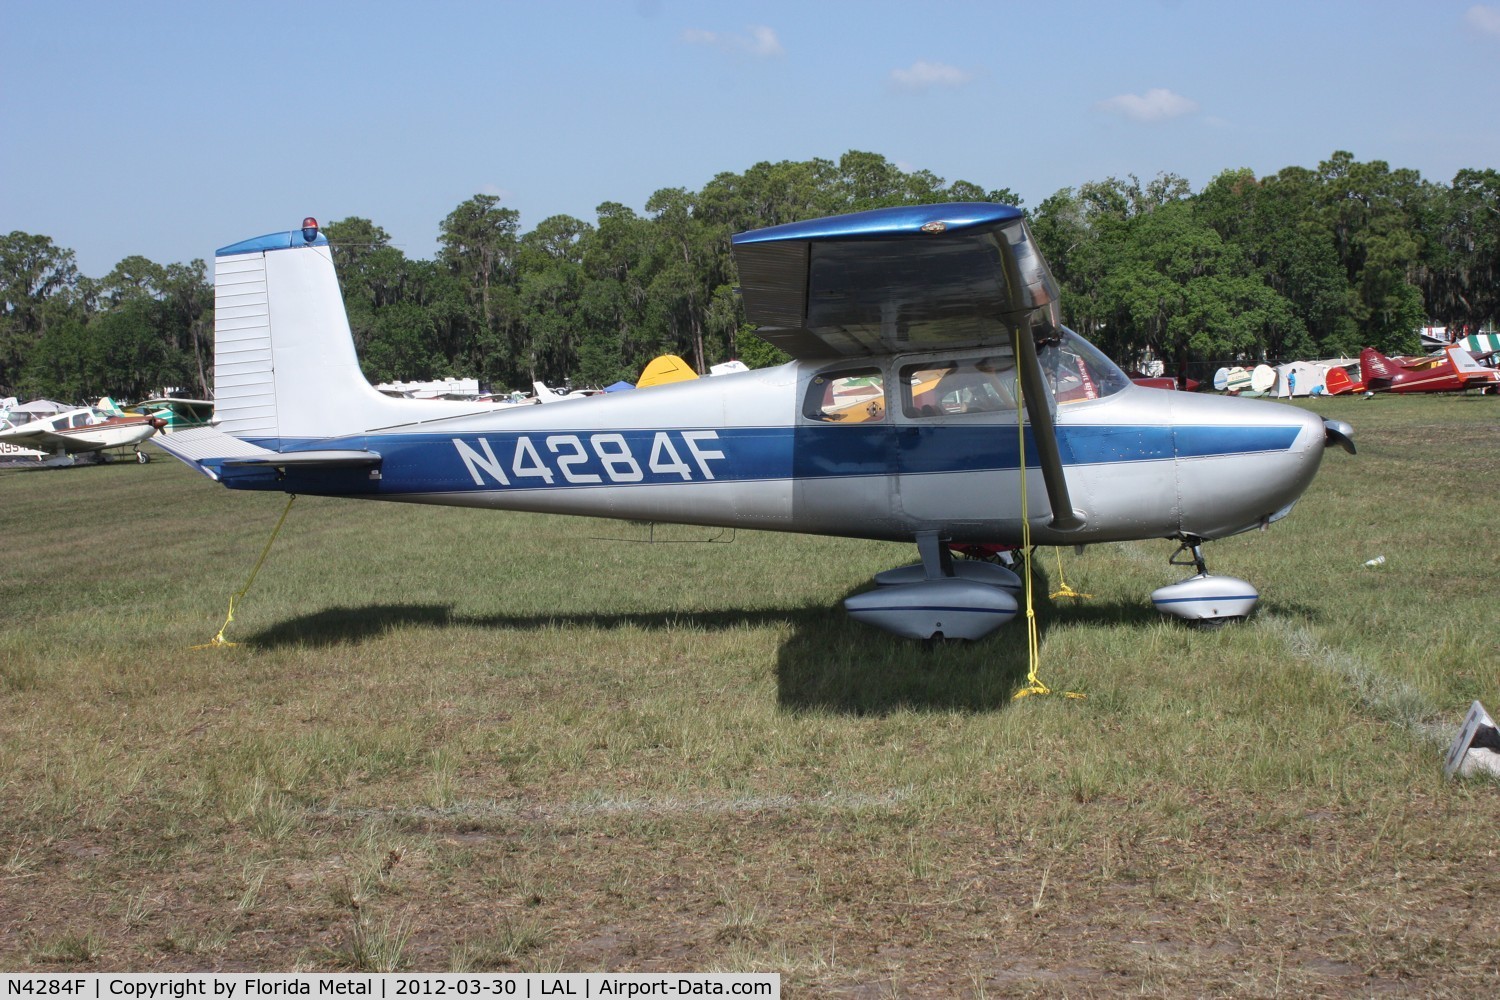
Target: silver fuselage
(740, 450)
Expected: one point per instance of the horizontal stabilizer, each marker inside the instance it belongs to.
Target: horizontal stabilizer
(307, 458)
(206, 448)
(201, 443)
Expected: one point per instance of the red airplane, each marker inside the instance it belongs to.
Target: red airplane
(1453, 369)
(1163, 381)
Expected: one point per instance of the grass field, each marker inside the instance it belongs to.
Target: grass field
(453, 740)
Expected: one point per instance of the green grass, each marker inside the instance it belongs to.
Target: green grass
(453, 739)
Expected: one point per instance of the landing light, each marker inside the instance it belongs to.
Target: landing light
(309, 229)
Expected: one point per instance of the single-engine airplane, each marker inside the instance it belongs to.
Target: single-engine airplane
(1451, 369)
(542, 393)
(931, 375)
(78, 431)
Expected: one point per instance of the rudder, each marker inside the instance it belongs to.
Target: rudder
(1374, 365)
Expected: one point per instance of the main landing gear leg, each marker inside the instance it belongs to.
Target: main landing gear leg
(937, 564)
(937, 560)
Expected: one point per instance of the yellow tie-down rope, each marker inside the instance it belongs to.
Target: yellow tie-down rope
(1034, 683)
(1063, 589)
(219, 639)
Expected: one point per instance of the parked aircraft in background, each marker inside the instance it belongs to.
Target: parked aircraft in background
(1452, 369)
(1164, 381)
(13, 452)
(934, 398)
(79, 431)
(540, 393)
(444, 388)
(668, 368)
(176, 413)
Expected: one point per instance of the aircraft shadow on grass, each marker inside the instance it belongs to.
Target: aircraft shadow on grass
(828, 664)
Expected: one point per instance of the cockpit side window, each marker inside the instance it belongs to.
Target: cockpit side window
(852, 396)
(960, 386)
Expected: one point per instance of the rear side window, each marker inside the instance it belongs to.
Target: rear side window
(849, 397)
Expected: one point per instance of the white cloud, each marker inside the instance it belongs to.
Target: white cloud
(1485, 20)
(922, 75)
(765, 42)
(758, 40)
(1153, 106)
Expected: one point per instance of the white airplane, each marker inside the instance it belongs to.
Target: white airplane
(542, 394)
(935, 398)
(55, 440)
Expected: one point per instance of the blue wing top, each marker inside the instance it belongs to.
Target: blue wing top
(913, 278)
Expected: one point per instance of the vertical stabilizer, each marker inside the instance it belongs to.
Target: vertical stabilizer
(1373, 365)
(1466, 366)
(284, 361)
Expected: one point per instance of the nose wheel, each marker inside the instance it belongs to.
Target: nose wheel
(1204, 600)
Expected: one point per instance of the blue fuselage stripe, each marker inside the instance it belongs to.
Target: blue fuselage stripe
(525, 460)
(1217, 598)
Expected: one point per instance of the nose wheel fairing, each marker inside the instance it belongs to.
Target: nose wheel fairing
(1203, 599)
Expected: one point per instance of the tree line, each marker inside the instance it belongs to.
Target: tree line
(1300, 264)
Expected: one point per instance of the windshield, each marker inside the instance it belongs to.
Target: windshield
(1077, 370)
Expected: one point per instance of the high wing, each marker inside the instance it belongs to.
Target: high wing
(186, 412)
(914, 278)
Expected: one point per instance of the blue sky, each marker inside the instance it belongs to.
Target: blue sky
(170, 129)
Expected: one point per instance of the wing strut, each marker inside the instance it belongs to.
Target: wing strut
(1034, 389)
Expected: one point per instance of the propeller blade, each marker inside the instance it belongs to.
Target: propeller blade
(1338, 432)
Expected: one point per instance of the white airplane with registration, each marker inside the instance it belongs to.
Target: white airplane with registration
(934, 398)
(56, 439)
